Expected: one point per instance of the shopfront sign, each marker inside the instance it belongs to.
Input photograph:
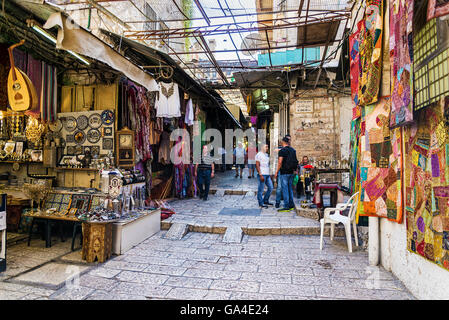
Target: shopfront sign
(304, 106)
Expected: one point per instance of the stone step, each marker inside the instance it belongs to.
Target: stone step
(233, 234)
(256, 230)
(177, 231)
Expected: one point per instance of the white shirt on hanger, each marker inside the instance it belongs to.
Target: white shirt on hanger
(168, 104)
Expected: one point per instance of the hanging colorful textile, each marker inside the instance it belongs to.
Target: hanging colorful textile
(34, 72)
(355, 155)
(370, 53)
(380, 164)
(401, 60)
(437, 8)
(427, 184)
(48, 93)
(354, 57)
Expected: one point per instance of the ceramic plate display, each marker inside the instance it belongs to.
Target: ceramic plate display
(70, 150)
(107, 116)
(108, 143)
(79, 137)
(69, 138)
(82, 122)
(55, 126)
(93, 136)
(95, 121)
(70, 123)
(78, 150)
(95, 150)
(108, 131)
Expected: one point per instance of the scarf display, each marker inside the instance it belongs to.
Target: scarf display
(401, 60)
(427, 184)
(34, 72)
(380, 164)
(49, 93)
(370, 53)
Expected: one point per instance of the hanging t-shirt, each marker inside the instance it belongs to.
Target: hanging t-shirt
(168, 104)
(189, 113)
(264, 161)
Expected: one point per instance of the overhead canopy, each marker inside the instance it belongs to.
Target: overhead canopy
(143, 55)
(73, 37)
(316, 34)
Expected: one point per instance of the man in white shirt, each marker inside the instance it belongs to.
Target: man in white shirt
(239, 156)
(263, 169)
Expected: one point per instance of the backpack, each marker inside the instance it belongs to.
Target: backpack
(291, 163)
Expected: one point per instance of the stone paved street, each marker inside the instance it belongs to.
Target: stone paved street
(265, 265)
(200, 266)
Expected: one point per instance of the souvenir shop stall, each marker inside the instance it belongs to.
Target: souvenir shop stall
(400, 127)
(66, 163)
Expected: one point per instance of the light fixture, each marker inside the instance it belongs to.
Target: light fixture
(48, 36)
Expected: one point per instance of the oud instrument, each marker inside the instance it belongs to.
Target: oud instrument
(21, 91)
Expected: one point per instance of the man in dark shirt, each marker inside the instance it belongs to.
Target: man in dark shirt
(204, 171)
(286, 174)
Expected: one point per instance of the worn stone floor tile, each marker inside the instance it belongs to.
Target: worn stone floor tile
(75, 293)
(288, 289)
(187, 294)
(140, 289)
(218, 295)
(311, 280)
(98, 283)
(125, 265)
(255, 296)
(266, 277)
(213, 274)
(241, 267)
(104, 272)
(203, 265)
(11, 295)
(244, 286)
(185, 282)
(166, 270)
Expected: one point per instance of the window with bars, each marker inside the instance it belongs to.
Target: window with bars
(150, 15)
(431, 60)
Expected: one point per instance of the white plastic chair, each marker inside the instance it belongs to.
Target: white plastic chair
(336, 218)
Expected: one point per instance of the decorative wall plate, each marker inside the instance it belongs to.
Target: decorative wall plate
(70, 150)
(108, 143)
(78, 150)
(69, 138)
(70, 123)
(55, 126)
(107, 116)
(93, 136)
(82, 122)
(95, 120)
(108, 131)
(95, 150)
(79, 137)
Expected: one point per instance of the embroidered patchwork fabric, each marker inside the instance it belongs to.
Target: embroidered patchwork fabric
(354, 58)
(380, 164)
(370, 53)
(427, 185)
(401, 60)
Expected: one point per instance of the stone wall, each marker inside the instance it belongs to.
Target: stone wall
(316, 131)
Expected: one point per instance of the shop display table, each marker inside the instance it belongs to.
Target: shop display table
(131, 232)
(97, 240)
(335, 193)
(47, 219)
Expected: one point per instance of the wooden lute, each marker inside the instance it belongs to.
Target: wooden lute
(21, 91)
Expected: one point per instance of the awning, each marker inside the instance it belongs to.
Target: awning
(73, 37)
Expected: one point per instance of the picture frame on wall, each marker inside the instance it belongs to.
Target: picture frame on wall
(125, 148)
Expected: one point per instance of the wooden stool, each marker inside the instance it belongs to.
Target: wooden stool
(97, 241)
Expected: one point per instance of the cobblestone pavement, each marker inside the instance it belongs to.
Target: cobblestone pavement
(200, 266)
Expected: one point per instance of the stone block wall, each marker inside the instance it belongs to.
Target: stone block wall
(317, 132)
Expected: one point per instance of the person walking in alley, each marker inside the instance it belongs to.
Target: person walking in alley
(287, 166)
(205, 171)
(239, 159)
(252, 151)
(263, 169)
